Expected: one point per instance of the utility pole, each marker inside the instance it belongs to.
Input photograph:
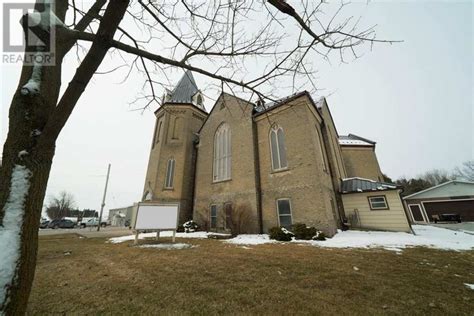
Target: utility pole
(103, 199)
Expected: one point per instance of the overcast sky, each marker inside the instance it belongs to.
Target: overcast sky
(415, 99)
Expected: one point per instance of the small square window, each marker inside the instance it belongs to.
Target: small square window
(378, 202)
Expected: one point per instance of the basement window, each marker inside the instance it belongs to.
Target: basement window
(284, 213)
(378, 202)
(213, 216)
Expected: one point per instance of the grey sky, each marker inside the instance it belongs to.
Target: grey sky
(414, 98)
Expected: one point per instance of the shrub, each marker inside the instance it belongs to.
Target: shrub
(190, 226)
(280, 234)
(241, 219)
(304, 232)
(319, 236)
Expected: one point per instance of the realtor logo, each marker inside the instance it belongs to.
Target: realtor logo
(27, 35)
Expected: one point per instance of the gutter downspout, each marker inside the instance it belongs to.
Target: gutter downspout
(258, 184)
(194, 163)
(337, 193)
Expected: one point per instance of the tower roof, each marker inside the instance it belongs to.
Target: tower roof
(185, 91)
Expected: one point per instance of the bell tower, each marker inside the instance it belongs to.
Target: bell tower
(171, 166)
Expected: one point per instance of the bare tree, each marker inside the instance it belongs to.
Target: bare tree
(466, 171)
(436, 176)
(221, 39)
(60, 206)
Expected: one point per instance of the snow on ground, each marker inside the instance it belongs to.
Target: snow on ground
(250, 240)
(117, 240)
(471, 286)
(168, 246)
(426, 236)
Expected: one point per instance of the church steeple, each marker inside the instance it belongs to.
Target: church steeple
(186, 92)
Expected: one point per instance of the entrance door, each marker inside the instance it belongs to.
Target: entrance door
(416, 213)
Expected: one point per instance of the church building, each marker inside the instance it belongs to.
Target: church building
(245, 167)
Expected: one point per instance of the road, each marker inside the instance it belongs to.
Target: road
(88, 232)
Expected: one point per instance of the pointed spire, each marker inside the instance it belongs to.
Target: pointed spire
(185, 90)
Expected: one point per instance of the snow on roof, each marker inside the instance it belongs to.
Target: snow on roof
(266, 106)
(351, 185)
(354, 140)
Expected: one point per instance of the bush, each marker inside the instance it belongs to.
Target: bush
(304, 232)
(319, 236)
(190, 226)
(280, 234)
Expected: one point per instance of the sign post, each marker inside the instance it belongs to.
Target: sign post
(157, 217)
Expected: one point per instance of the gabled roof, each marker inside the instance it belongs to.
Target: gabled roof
(453, 188)
(354, 140)
(270, 105)
(185, 91)
(354, 185)
(260, 109)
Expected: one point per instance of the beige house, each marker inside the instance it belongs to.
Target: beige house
(248, 167)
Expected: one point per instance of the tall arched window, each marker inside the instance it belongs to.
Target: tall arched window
(222, 153)
(277, 148)
(169, 174)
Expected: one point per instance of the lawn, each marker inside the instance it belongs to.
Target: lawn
(77, 275)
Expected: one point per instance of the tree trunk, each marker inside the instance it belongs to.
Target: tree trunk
(26, 118)
(35, 121)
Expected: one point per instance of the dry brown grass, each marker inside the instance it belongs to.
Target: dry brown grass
(218, 278)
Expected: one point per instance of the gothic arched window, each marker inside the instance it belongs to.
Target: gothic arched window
(169, 174)
(277, 148)
(222, 153)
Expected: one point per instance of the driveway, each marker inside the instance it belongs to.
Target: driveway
(88, 232)
(467, 227)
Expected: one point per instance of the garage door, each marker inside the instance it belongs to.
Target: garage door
(463, 208)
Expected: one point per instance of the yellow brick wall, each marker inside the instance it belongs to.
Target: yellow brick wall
(361, 162)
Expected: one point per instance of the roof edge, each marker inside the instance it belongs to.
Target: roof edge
(435, 187)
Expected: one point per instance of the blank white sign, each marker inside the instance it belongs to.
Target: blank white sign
(157, 216)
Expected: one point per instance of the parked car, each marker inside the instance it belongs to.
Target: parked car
(61, 223)
(447, 218)
(93, 222)
(44, 224)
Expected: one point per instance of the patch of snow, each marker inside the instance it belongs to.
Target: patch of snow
(470, 286)
(354, 142)
(32, 87)
(248, 239)
(11, 229)
(355, 268)
(426, 236)
(117, 240)
(35, 132)
(45, 20)
(176, 246)
(22, 153)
